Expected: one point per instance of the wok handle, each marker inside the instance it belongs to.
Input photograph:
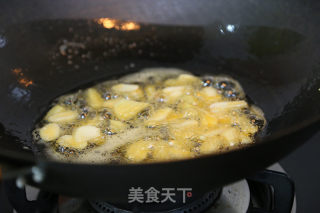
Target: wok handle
(283, 191)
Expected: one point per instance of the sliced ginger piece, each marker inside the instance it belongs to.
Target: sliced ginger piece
(139, 151)
(84, 134)
(54, 110)
(50, 132)
(127, 109)
(117, 126)
(131, 91)
(65, 116)
(94, 98)
(227, 105)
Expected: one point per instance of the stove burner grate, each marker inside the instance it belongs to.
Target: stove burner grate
(197, 206)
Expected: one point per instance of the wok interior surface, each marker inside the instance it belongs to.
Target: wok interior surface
(42, 60)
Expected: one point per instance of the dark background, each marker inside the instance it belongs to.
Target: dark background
(303, 167)
(303, 164)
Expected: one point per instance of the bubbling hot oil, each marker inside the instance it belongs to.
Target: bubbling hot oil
(157, 114)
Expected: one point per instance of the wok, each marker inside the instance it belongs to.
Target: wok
(273, 53)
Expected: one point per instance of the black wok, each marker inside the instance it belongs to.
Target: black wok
(273, 53)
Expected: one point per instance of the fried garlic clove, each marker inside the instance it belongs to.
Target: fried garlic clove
(127, 109)
(227, 105)
(184, 129)
(159, 115)
(208, 147)
(50, 132)
(131, 91)
(138, 151)
(67, 141)
(150, 91)
(84, 134)
(183, 79)
(167, 152)
(54, 110)
(111, 103)
(117, 126)
(209, 95)
(207, 120)
(172, 94)
(96, 121)
(63, 117)
(187, 79)
(231, 135)
(94, 98)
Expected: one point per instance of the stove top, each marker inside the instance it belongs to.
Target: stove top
(254, 194)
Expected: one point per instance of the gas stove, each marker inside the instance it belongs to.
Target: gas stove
(268, 191)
